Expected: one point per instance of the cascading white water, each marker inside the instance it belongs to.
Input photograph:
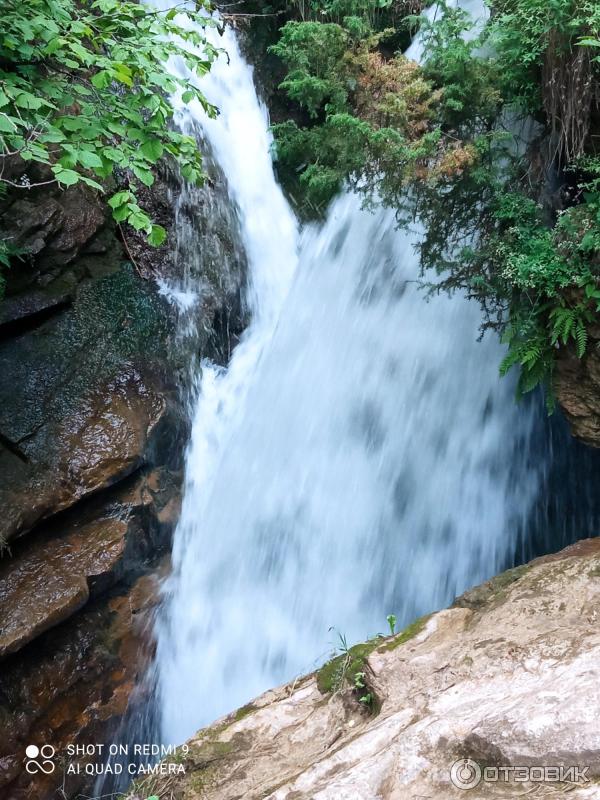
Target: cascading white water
(359, 456)
(476, 9)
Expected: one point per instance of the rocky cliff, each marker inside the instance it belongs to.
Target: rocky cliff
(507, 678)
(93, 428)
(578, 388)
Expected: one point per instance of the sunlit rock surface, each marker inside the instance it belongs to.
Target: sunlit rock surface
(508, 676)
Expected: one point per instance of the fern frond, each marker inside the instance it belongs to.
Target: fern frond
(530, 379)
(533, 354)
(581, 338)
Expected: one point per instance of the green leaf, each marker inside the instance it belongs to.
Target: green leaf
(152, 149)
(140, 221)
(83, 77)
(591, 291)
(157, 235)
(121, 213)
(122, 73)
(144, 175)
(67, 177)
(6, 124)
(71, 123)
(119, 199)
(92, 183)
(581, 339)
(29, 101)
(88, 159)
(83, 91)
(101, 79)
(588, 42)
(68, 160)
(52, 136)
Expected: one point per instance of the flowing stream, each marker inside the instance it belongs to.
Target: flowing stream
(360, 456)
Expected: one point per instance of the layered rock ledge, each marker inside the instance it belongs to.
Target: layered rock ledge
(508, 676)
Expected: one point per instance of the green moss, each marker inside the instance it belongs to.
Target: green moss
(408, 633)
(245, 711)
(493, 590)
(510, 576)
(342, 669)
(201, 782)
(214, 750)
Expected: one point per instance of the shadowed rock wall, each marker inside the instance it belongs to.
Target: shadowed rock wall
(93, 428)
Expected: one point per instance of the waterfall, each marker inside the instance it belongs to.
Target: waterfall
(360, 455)
(240, 142)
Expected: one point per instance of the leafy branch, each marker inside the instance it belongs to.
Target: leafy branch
(84, 92)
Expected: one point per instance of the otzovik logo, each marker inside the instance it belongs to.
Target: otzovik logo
(39, 759)
(465, 773)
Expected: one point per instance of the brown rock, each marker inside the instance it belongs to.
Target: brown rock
(104, 439)
(577, 385)
(52, 574)
(58, 221)
(32, 223)
(89, 408)
(72, 686)
(83, 217)
(107, 437)
(49, 580)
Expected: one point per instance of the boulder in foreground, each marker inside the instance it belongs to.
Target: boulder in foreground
(508, 677)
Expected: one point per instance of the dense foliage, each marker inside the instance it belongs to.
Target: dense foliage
(366, 113)
(495, 135)
(84, 92)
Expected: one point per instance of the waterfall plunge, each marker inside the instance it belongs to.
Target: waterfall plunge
(360, 456)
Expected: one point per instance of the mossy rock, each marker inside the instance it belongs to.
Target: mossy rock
(408, 633)
(492, 591)
(345, 670)
(115, 320)
(245, 711)
(342, 669)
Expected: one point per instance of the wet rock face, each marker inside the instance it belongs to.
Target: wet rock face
(578, 389)
(61, 226)
(72, 685)
(509, 676)
(51, 226)
(105, 438)
(93, 427)
(52, 574)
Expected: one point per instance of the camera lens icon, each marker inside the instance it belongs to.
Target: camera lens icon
(39, 759)
(465, 774)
